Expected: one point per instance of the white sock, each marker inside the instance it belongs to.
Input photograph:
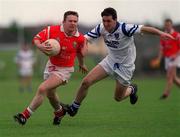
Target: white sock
(30, 110)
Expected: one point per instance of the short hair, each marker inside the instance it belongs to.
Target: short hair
(109, 12)
(168, 20)
(67, 13)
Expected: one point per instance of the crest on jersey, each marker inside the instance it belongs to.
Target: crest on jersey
(116, 35)
(74, 44)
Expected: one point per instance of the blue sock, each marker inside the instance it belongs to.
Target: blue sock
(75, 106)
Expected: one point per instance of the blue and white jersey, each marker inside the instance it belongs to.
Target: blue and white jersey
(120, 42)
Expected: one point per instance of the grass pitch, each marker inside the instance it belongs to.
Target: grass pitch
(99, 115)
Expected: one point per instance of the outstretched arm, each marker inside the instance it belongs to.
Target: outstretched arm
(152, 30)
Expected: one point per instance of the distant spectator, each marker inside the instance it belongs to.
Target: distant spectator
(25, 61)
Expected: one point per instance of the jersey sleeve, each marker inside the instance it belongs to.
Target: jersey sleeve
(130, 29)
(94, 33)
(43, 35)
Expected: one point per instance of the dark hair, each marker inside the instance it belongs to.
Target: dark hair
(67, 13)
(109, 12)
(168, 20)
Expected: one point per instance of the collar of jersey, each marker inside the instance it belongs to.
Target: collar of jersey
(117, 26)
(76, 34)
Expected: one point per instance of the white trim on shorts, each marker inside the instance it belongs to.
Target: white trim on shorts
(178, 61)
(122, 74)
(64, 73)
(25, 72)
(169, 62)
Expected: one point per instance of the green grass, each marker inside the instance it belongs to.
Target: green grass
(8, 68)
(7, 64)
(99, 116)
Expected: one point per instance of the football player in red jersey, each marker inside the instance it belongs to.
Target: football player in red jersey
(58, 68)
(170, 50)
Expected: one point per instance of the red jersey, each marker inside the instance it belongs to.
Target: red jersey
(170, 47)
(70, 45)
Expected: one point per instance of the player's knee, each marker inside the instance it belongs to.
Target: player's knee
(86, 83)
(42, 90)
(170, 78)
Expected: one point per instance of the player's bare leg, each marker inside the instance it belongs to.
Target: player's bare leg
(22, 84)
(123, 92)
(176, 79)
(59, 112)
(28, 83)
(53, 99)
(52, 82)
(25, 83)
(170, 77)
(95, 75)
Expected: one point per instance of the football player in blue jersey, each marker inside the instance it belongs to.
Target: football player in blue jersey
(119, 63)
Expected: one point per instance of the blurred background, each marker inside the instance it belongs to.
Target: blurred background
(20, 20)
(100, 115)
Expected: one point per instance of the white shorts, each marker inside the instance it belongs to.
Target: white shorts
(63, 73)
(178, 61)
(117, 71)
(169, 62)
(25, 72)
